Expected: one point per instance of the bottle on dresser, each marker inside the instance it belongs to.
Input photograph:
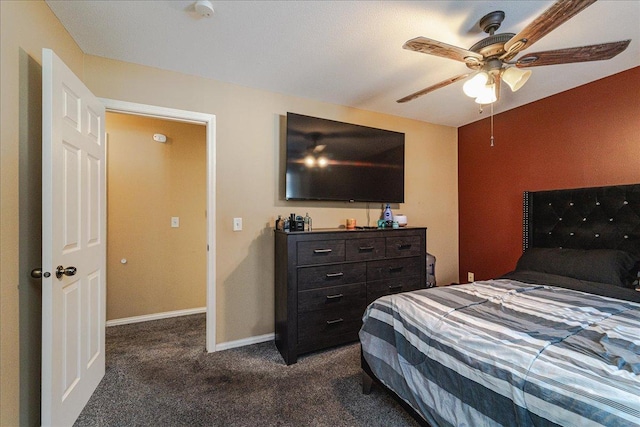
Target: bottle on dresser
(387, 215)
(307, 222)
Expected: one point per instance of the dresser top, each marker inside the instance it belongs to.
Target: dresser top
(344, 230)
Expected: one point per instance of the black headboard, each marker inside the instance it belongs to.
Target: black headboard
(583, 218)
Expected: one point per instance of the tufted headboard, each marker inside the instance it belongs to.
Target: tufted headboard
(583, 218)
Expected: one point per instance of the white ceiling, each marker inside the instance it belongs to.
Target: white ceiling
(345, 52)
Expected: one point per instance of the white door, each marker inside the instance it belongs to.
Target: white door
(73, 242)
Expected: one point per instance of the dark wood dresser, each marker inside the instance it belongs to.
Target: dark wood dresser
(324, 280)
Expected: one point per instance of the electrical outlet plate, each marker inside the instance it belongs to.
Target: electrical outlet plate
(470, 277)
(237, 224)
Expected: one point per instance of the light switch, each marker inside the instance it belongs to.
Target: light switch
(237, 224)
(175, 221)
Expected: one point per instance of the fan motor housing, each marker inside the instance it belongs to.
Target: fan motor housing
(492, 45)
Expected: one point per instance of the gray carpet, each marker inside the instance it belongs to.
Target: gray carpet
(158, 374)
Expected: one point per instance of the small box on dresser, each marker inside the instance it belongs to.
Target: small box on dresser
(324, 280)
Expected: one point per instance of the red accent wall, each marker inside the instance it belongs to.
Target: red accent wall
(585, 137)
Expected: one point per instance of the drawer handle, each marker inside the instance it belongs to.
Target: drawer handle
(321, 251)
(395, 288)
(403, 246)
(333, 275)
(366, 248)
(395, 269)
(333, 322)
(336, 296)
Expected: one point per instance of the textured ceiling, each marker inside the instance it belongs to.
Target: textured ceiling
(345, 52)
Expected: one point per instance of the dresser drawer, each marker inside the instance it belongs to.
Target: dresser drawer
(324, 328)
(403, 246)
(394, 268)
(322, 341)
(380, 288)
(332, 298)
(331, 275)
(365, 249)
(320, 252)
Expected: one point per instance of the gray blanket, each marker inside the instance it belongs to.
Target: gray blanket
(503, 352)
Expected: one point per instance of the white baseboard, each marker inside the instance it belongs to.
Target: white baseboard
(245, 341)
(168, 314)
(155, 316)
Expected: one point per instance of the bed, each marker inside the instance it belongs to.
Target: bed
(554, 342)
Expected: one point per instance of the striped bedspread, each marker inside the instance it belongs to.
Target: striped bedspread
(502, 352)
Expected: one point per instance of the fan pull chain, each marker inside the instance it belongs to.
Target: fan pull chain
(492, 124)
(480, 111)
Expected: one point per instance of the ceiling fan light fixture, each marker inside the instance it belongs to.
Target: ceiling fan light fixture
(310, 161)
(323, 162)
(515, 77)
(474, 87)
(487, 95)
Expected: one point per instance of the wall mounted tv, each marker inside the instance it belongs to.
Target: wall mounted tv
(329, 160)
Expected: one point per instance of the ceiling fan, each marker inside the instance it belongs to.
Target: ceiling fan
(492, 58)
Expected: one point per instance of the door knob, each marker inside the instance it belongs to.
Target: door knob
(37, 273)
(69, 271)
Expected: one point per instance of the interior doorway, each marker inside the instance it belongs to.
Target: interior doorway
(156, 218)
(208, 121)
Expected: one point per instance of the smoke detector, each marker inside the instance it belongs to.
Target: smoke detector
(204, 8)
(158, 137)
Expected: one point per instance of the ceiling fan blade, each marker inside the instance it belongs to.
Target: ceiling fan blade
(434, 87)
(556, 15)
(434, 47)
(596, 52)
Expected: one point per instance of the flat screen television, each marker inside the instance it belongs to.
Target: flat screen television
(330, 160)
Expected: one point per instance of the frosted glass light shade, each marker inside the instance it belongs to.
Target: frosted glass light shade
(487, 95)
(515, 77)
(475, 85)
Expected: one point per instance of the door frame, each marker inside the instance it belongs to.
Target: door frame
(209, 120)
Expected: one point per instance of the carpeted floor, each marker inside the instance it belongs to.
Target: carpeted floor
(158, 374)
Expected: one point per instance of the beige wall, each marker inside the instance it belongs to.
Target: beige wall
(249, 156)
(26, 27)
(249, 139)
(148, 183)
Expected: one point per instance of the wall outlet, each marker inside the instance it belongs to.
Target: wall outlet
(471, 277)
(237, 224)
(175, 222)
